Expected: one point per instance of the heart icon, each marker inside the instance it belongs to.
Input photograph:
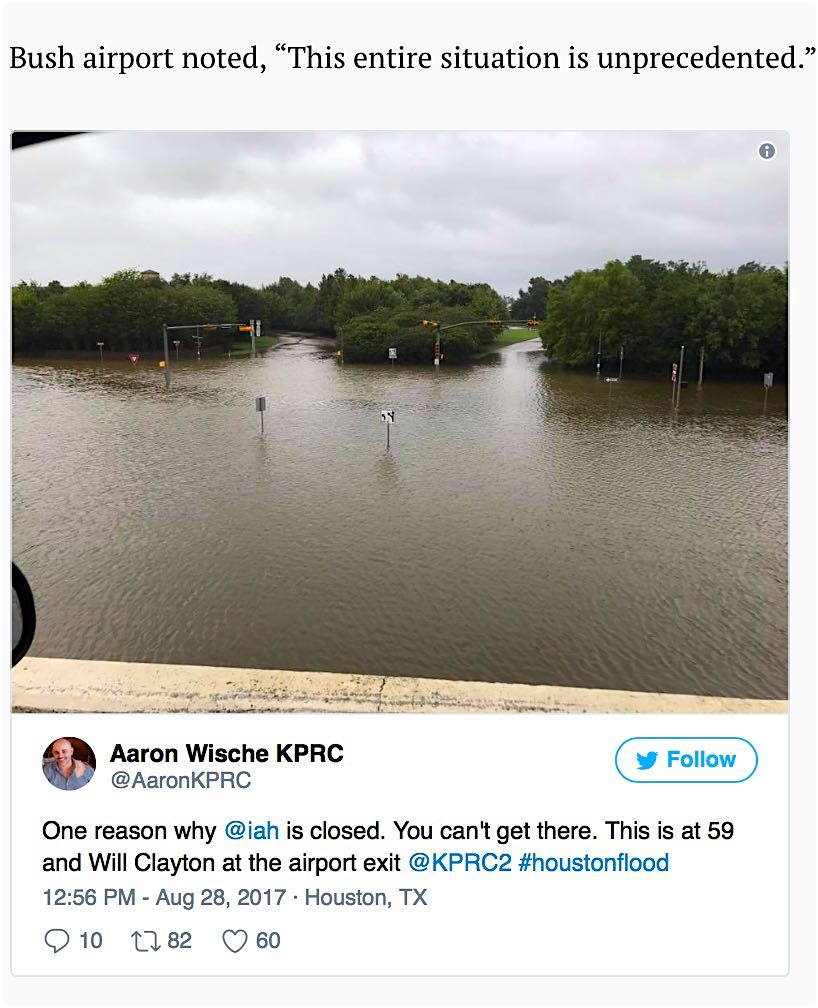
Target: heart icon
(235, 940)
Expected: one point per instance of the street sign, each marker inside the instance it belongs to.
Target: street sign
(675, 369)
(768, 379)
(388, 416)
(393, 353)
(133, 357)
(261, 406)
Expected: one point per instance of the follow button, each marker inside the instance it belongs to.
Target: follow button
(677, 759)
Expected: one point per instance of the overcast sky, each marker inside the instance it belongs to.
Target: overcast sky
(494, 207)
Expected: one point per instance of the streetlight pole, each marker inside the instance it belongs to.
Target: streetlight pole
(100, 345)
(621, 357)
(167, 355)
(681, 372)
(176, 343)
(599, 354)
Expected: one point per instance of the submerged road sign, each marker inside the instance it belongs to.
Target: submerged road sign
(387, 417)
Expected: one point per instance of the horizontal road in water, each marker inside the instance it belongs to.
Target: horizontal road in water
(528, 524)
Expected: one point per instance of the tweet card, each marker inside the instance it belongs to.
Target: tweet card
(411, 503)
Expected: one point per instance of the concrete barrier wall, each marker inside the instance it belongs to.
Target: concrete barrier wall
(57, 685)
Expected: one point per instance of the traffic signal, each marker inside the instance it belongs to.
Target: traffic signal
(495, 321)
(429, 322)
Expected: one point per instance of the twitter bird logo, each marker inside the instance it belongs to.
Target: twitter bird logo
(646, 762)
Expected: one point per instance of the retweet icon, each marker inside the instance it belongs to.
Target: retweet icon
(646, 762)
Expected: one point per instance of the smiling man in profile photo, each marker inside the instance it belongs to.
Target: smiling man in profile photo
(63, 770)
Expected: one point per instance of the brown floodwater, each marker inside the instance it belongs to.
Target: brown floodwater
(528, 524)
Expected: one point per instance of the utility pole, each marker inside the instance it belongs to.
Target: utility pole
(621, 357)
(701, 364)
(100, 345)
(599, 354)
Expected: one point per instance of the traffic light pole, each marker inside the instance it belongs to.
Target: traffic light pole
(199, 325)
(454, 325)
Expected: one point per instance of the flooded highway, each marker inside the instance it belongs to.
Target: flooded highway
(527, 524)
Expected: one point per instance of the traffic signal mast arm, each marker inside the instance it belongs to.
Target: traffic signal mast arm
(438, 328)
(211, 326)
(486, 321)
(480, 321)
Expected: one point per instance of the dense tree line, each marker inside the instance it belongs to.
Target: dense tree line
(650, 308)
(373, 315)
(126, 311)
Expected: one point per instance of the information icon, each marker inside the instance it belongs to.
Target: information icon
(767, 151)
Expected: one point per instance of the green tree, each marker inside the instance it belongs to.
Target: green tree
(27, 333)
(598, 309)
(532, 302)
(330, 292)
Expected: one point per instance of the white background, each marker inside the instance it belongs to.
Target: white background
(704, 916)
(283, 99)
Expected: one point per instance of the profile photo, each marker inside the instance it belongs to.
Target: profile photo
(69, 763)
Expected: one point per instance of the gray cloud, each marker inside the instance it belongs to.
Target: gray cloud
(495, 207)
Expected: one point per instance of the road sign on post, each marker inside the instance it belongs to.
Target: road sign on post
(437, 352)
(261, 406)
(387, 417)
(393, 353)
(768, 384)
